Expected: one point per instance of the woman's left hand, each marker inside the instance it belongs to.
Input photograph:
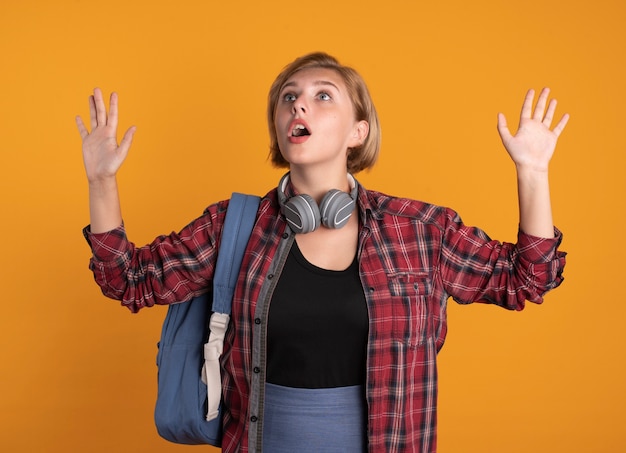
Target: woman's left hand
(532, 146)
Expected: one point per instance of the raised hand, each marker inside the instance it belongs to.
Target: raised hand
(102, 155)
(533, 144)
(531, 149)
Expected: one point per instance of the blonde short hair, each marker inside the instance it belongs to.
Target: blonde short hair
(359, 158)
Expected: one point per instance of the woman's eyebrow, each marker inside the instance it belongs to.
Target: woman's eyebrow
(326, 82)
(316, 83)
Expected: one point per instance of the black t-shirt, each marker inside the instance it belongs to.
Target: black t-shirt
(318, 326)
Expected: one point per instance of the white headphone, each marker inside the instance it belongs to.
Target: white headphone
(304, 216)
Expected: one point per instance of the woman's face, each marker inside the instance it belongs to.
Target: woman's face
(315, 121)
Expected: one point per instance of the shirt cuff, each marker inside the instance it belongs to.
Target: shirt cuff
(537, 249)
(107, 246)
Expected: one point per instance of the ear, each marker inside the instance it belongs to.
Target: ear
(361, 129)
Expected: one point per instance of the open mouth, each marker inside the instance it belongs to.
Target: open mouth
(299, 130)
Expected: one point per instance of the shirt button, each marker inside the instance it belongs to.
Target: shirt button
(285, 235)
(254, 419)
(257, 369)
(270, 276)
(371, 289)
(257, 320)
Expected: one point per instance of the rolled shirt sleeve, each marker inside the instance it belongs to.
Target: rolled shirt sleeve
(545, 263)
(478, 269)
(173, 268)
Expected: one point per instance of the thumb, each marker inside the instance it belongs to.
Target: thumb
(503, 128)
(127, 140)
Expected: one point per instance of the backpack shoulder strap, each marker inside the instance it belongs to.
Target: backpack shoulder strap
(240, 218)
(238, 224)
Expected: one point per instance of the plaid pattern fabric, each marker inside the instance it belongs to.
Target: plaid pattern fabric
(413, 257)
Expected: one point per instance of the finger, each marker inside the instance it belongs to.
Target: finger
(561, 125)
(541, 104)
(527, 106)
(82, 130)
(93, 120)
(101, 111)
(549, 116)
(112, 120)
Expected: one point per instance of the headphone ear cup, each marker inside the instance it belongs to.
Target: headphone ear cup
(302, 213)
(336, 208)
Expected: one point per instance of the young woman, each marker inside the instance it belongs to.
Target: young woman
(340, 308)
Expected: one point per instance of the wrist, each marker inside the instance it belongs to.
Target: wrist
(102, 183)
(526, 172)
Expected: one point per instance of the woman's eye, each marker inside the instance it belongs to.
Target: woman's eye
(324, 96)
(289, 97)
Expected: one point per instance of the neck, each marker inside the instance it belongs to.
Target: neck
(318, 183)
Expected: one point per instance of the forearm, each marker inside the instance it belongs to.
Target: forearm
(104, 205)
(535, 209)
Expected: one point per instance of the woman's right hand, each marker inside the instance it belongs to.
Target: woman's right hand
(102, 155)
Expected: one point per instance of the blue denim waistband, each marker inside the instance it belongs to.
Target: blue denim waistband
(314, 420)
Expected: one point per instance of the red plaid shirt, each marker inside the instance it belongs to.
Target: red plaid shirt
(412, 257)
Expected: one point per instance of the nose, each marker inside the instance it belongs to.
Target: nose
(299, 106)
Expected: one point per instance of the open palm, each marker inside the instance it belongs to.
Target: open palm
(102, 155)
(534, 142)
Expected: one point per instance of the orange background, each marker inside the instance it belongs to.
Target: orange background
(78, 372)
